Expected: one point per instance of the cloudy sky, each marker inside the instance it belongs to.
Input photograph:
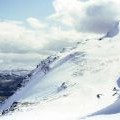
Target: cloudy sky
(30, 30)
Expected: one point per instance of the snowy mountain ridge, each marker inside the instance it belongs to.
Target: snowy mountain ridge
(65, 86)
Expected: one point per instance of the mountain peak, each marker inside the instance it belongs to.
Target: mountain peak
(112, 32)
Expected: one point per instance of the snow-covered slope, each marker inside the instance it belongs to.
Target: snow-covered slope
(65, 86)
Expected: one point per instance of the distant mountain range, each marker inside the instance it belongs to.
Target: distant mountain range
(10, 81)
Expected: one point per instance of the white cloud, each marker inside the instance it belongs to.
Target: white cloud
(19, 61)
(35, 23)
(16, 37)
(72, 20)
(19, 43)
(88, 16)
(66, 10)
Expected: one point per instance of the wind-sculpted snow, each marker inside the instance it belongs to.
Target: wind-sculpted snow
(113, 108)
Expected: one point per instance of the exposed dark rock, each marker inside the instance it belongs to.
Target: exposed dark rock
(62, 87)
(10, 81)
